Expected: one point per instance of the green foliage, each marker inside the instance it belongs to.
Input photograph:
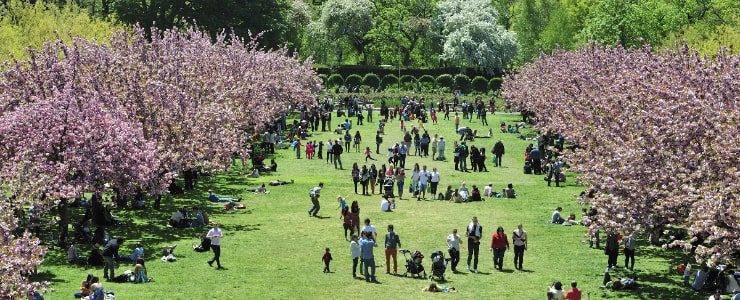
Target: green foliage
(372, 80)
(495, 84)
(445, 80)
(389, 80)
(335, 80)
(463, 83)
(353, 80)
(349, 21)
(480, 84)
(23, 25)
(428, 82)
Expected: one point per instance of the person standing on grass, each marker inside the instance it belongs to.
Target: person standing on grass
(519, 237)
(329, 151)
(424, 176)
(433, 182)
(474, 232)
(367, 243)
(354, 252)
(400, 178)
(392, 243)
(453, 247)
(215, 235)
(110, 254)
(629, 251)
(499, 245)
(612, 250)
(326, 258)
(441, 149)
(337, 152)
(315, 193)
(498, 151)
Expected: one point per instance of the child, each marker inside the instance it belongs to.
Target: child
(342, 202)
(368, 154)
(327, 259)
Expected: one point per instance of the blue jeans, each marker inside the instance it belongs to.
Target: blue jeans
(463, 163)
(337, 158)
(369, 263)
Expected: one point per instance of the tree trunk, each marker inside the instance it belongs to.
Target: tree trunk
(63, 223)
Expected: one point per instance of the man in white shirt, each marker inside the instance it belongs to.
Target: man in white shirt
(215, 235)
(370, 228)
(423, 181)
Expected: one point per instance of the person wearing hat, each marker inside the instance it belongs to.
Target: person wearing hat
(441, 148)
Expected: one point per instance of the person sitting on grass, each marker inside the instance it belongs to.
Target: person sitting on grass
(509, 191)
(140, 275)
(205, 244)
(556, 217)
(456, 197)
(273, 166)
(213, 198)
(179, 219)
(463, 192)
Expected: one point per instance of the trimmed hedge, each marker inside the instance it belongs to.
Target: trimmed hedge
(462, 83)
(495, 83)
(428, 81)
(480, 84)
(388, 80)
(372, 80)
(445, 81)
(335, 80)
(353, 80)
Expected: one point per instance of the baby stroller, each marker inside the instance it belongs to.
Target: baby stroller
(413, 264)
(388, 188)
(439, 265)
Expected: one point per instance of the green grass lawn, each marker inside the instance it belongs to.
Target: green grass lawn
(272, 249)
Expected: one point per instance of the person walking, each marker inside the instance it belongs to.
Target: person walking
(392, 243)
(215, 235)
(453, 248)
(315, 193)
(499, 245)
(474, 232)
(498, 151)
(519, 237)
(434, 182)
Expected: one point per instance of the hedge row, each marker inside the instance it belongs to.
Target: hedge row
(460, 82)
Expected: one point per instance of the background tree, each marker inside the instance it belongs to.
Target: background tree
(472, 37)
(402, 28)
(349, 21)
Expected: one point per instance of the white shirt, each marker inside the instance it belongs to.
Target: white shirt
(369, 228)
(488, 191)
(415, 175)
(522, 237)
(215, 235)
(385, 205)
(354, 249)
(435, 176)
(454, 241)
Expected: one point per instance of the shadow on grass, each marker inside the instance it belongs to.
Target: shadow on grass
(46, 276)
(658, 284)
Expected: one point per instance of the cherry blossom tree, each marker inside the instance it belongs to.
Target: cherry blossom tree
(79, 117)
(655, 136)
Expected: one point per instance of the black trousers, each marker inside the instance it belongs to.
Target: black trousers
(216, 255)
(518, 256)
(454, 258)
(473, 248)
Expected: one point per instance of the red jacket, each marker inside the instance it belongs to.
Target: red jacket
(498, 242)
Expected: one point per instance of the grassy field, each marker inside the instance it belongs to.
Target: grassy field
(272, 249)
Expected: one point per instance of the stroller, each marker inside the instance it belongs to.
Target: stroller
(388, 188)
(413, 264)
(439, 265)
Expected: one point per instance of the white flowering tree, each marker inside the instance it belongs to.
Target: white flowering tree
(350, 21)
(472, 36)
